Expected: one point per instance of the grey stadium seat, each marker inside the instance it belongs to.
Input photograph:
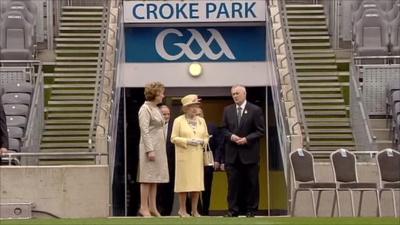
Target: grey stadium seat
(24, 87)
(371, 34)
(16, 110)
(395, 36)
(16, 40)
(14, 144)
(15, 132)
(16, 121)
(365, 5)
(391, 14)
(16, 98)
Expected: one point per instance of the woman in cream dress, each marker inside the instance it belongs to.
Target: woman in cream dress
(153, 165)
(190, 135)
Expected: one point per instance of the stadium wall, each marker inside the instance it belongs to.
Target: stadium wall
(64, 191)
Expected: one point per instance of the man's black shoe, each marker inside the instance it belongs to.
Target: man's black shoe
(231, 214)
(250, 214)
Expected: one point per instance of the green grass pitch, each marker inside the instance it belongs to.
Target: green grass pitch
(209, 221)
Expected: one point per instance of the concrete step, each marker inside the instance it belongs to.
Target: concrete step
(330, 131)
(329, 149)
(321, 96)
(79, 24)
(74, 45)
(65, 86)
(305, 17)
(307, 23)
(63, 115)
(311, 44)
(71, 92)
(325, 101)
(315, 67)
(67, 127)
(82, 29)
(67, 121)
(312, 51)
(79, 40)
(317, 79)
(332, 143)
(82, 8)
(322, 90)
(69, 75)
(64, 150)
(318, 73)
(315, 61)
(382, 134)
(314, 56)
(306, 11)
(71, 97)
(68, 109)
(331, 136)
(378, 123)
(64, 145)
(308, 33)
(324, 107)
(290, 7)
(77, 51)
(74, 80)
(320, 84)
(82, 13)
(328, 124)
(382, 144)
(69, 102)
(64, 139)
(76, 58)
(75, 64)
(80, 18)
(309, 38)
(326, 113)
(79, 70)
(327, 119)
(308, 28)
(65, 132)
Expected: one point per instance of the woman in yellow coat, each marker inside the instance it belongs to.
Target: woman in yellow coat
(190, 135)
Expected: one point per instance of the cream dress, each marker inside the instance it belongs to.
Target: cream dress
(189, 167)
(152, 138)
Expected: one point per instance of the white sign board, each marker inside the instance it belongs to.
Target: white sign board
(194, 11)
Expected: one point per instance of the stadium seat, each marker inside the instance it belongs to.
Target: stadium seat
(16, 110)
(388, 162)
(302, 163)
(16, 98)
(19, 87)
(16, 40)
(371, 34)
(14, 144)
(395, 36)
(15, 132)
(344, 165)
(16, 121)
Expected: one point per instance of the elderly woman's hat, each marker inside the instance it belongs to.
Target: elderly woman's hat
(190, 100)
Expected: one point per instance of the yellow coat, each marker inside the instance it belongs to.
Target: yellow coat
(189, 167)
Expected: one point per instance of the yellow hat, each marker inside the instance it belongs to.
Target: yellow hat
(190, 100)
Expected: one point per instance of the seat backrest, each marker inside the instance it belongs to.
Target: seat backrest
(395, 31)
(364, 5)
(302, 163)
(14, 144)
(18, 87)
(14, 20)
(16, 98)
(388, 162)
(371, 30)
(344, 165)
(16, 121)
(16, 109)
(15, 132)
(20, 6)
(32, 8)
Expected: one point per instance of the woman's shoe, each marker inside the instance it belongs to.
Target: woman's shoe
(155, 213)
(196, 214)
(182, 215)
(142, 214)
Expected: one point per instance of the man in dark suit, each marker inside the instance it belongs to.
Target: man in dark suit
(3, 131)
(243, 125)
(165, 191)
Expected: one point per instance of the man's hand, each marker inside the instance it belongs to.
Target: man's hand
(241, 141)
(151, 156)
(222, 167)
(216, 165)
(234, 138)
(3, 150)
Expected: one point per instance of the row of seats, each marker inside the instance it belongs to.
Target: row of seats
(16, 99)
(393, 106)
(18, 20)
(344, 166)
(376, 31)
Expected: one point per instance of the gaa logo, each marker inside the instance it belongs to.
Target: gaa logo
(195, 39)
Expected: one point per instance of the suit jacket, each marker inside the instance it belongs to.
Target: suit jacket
(252, 127)
(3, 128)
(170, 147)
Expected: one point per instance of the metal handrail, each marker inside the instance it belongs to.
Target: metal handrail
(10, 156)
(280, 112)
(100, 73)
(291, 66)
